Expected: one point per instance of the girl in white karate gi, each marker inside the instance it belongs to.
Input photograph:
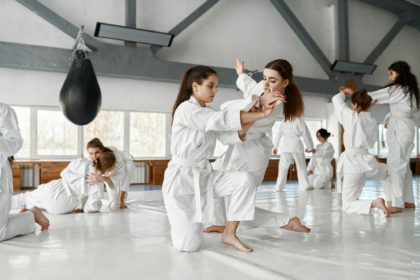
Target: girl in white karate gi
(71, 192)
(320, 170)
(10, 143)
(117, 183)
(355, 163)
(287, 140)
(189, 181)
(254, 153)
(402, 94)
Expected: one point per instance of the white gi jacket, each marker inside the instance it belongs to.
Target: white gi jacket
(123, 170)
(194, 133)
(253, 154)
(320, 162)
(403, 110)
(10, 143)
(74, 177)
(287, 137)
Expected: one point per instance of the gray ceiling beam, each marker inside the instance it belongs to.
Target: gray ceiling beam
(58, 21)
(303, 35)
(386, 40)
(130, 17)
(111, 61)
(343, 29)
(190, 19)
(399, 7)
(134, 63)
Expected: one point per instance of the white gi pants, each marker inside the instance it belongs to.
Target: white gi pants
(399, 172)
(320, 181)
(51, 196)
(12, 225)
(252, 156)
(286, 160)
(238, 189)
(353, 186)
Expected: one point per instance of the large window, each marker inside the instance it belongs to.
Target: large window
(24, 119)
(56, 136)
(48, 134)
(108, 126)
(147, 134)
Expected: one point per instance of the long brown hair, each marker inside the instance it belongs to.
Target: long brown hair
(105, 161)
(195, 74)
(294, 106)
(406, 80)
(96, 143)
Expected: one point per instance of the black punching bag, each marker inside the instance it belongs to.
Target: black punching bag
(80, 96)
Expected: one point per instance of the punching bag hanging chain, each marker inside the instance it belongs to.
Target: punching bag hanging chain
(80, 41)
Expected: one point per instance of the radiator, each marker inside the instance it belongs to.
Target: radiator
(141, 173)
(27, 176)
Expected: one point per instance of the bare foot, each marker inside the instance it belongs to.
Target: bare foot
(380, 203)
(231, 239)
(78, 210)
(122, 205)
(40, 219)
(218, 229)
(295, 225)
(409, 205)
(122, 196)
(332, 185)
(23, 210)
(395, 209)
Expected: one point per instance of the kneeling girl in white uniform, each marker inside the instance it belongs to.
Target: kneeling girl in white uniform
(10, 144)
(320, 170)
(189, 181)
(72, 191)
(355, 163)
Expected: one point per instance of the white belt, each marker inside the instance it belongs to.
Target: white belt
(402, 115)
(198, 166)
(356, 150)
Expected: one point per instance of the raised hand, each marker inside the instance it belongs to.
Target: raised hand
(239, 66)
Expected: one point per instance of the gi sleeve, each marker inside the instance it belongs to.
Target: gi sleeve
(10, 139)
(249, 87)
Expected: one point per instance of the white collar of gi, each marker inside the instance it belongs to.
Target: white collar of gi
(194, 100)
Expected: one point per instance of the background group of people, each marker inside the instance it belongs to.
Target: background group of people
(80, 188)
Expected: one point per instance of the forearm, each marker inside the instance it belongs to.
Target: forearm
(108, 181)
(250, 117)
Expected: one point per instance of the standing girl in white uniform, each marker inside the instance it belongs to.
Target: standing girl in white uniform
(320, 170)
(71, 192)
(254, 153)
(10, 144)
(117, 182)
(189, 181)
(402, 95)
(287, 140)
(355, 163)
